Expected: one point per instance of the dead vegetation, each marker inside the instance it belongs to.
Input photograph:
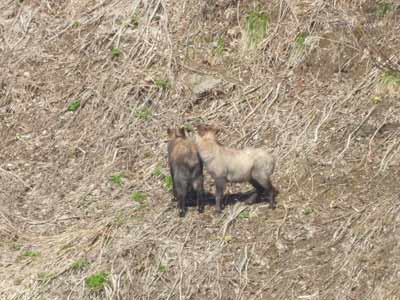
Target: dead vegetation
(87, 90)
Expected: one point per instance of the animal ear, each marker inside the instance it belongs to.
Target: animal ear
(214, 129)
(171, 132)
(218, 130)
(201, 129)
(181, 132)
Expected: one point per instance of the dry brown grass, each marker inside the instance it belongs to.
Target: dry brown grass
(334, 128)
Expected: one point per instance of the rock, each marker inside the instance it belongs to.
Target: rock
(202, 85)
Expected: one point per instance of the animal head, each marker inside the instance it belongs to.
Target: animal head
(207, 131)
(174, 133)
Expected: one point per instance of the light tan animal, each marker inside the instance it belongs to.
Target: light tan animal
(254, 165)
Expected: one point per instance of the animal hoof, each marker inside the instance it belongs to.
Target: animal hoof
(200, 210)
(252, 199)
(181, 214)
(249, 201)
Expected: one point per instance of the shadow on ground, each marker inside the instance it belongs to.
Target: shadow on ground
(231, 199)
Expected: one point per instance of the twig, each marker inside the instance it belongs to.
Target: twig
(385, 161)
(324, 117)
(266, 284)
(350, 137)
(231, 218)
(368, 155)
(283, 220)
(257, 106)
(17, 177)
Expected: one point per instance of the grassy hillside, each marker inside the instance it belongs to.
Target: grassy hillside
(88, 89)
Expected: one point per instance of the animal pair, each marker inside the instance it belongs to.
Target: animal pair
(186, 158)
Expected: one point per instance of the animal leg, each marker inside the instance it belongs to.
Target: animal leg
(264, 187)
(259, 191)
(220, 184)
(173, 184)
(252, 199)
(198, 187)
(181, 205)
(181, 191)
(273, 192)
(269, 189)
(175, 198)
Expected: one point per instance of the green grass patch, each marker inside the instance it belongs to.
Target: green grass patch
(96, 281)
(134, 22)
(244, 215)
(168, 183)
(220, 48)
(76, 24)
(143, 114)
(162, 268)
(166, 179)
(188, 127)
(116, 52)
(80, 264)
(300, 40)
(256, 26)
(16, 247)
(46, 277)
(120, 220)
(390, 78)
(157, 172)
(117, 179)
(376, 99)
(139, 197)
(22, 137)
(383, 8)
(227, 238)
(308, 211)
(74, 105)
(162, 84)
(31, 253)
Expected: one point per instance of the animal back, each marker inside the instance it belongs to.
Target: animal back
(185, 153)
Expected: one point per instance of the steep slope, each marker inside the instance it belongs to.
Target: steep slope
(87, 92)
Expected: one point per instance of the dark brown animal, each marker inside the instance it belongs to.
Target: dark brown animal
(186, 169)
(254, 165)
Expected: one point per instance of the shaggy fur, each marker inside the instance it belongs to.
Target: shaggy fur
(254, 165)
(186, 169)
